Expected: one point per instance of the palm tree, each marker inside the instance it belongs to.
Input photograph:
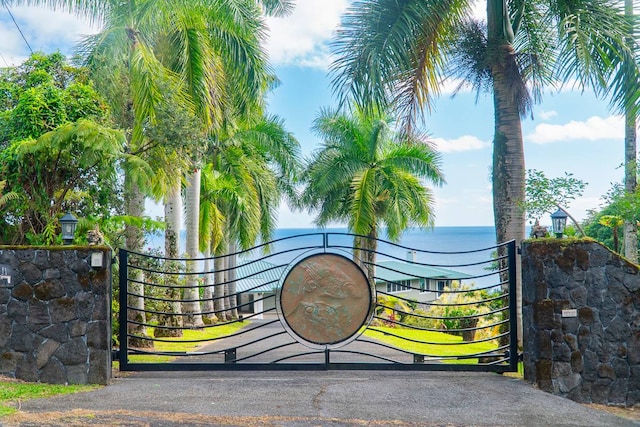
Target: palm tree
(398, 52)
(370, 177)
(614, 222)
(229, 210)
(176, 134)
(235, 78)
(630, 143)
(214, 189)
(251, 166)
(195, 47)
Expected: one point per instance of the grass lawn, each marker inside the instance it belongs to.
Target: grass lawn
(12, 392)
(430, 349)
(179, 345)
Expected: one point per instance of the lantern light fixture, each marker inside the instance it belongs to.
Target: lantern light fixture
(68, 223)
(559, 222)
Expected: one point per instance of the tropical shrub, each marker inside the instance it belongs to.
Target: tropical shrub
(392, 311)
(453, 310)
(57, 153)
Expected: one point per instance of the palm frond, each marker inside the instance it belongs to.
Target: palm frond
(591, 35)
(392, 53)
(278, 7)
(469, 60)
(366, 175)
(146, 73)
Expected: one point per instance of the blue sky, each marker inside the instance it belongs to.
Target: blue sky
(571, 131)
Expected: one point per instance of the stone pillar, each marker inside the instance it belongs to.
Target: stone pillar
(581, 316)
(55, 315)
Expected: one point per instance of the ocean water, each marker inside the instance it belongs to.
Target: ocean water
(463, 249)
(438, 239)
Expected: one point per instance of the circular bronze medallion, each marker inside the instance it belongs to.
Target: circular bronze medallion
(325, 299)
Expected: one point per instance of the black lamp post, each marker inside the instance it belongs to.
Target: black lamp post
(68, 223)
(559, 222)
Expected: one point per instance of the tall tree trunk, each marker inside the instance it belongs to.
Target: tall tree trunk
(508, 180)
(172, 210)
(233, 298)
(207, 305)
(508, 174)
(630, 184)
(630, 152)
(134, 206)
(218, 294)
(173, 318)
(371, 245)
(357, 252)
(192, 308)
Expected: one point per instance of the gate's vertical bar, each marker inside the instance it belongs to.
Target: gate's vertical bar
(123, 259)
(513, 307)
(325, 241)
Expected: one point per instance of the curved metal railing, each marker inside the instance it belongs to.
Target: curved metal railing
(430, 310)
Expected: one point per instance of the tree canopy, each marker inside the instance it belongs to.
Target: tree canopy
(58, 154)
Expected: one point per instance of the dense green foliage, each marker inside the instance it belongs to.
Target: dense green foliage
(57, 153)
(605, 225)
(462, 307)
(43, 93)
(545, 195)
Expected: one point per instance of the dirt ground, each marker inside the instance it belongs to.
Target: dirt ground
(632, 413)
(153, 419)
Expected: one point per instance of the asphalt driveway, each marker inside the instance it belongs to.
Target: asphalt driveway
(311, 398)
(327, 398)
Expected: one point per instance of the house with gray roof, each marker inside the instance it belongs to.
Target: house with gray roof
(411, 280)
(257, 282)
(256, 285)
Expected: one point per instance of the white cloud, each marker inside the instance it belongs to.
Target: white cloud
(43, 29)
(464, 143)
(298, 39)
(593, 129)
(445, 201)
(479, 10)
(449, 87)
(294, 219)
(12, 45)
(301, 38)
(546, 115)
(53, 25)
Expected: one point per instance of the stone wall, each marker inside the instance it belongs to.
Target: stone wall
(55, 323)
(581, 311)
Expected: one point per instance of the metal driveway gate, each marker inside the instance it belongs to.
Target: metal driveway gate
(304, 302)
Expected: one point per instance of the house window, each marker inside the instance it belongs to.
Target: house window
(441, 286)
(399, 286)
(424, 286)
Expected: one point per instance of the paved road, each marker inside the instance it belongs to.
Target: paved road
(280, 346)
(303, 398)
(345, 398)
